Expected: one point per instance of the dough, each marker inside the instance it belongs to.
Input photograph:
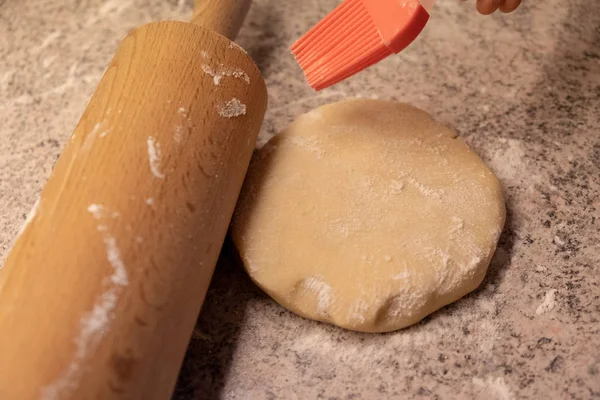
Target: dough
(368, 215)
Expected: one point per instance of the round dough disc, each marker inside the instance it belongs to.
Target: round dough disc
(368, 215)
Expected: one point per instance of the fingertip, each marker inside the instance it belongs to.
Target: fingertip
(509, 6)
(486, 7)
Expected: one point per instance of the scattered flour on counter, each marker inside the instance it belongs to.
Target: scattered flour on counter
(548, 304)
(220, 72)
(154, 155)
(95, 323)
(496, 386)
(231, 108)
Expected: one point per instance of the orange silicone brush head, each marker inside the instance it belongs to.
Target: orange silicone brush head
(356, 35)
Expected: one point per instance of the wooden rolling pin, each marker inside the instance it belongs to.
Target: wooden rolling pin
(100, 294)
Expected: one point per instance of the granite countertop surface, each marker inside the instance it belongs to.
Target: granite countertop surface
(522, 89)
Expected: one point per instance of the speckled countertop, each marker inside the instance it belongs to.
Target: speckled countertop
(523, 90)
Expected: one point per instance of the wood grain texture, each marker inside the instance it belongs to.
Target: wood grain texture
(100, 294)
(223, 16)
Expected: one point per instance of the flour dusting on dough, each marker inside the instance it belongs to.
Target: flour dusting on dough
(401, 276)
(426, 190)
(321, 290)
(310, 143)
(358, 310)
(396, 187)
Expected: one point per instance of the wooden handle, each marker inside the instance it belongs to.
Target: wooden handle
(100, 294)
(223, 16)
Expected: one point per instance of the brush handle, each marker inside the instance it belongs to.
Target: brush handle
(223, 16)
(100, 294)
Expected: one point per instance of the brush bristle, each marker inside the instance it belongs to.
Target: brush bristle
(341, 45)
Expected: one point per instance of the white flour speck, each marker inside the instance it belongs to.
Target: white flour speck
(396, 187)
(119, 277)
(220, 72)
(231, 108)
(102, 228)
(425, 190)
(497, 387)
(96, 210)
(178, 135)
(90, 138)
(401, 276)
(30, 216)
(95, 129)
(92, 327)
(154, 155)
(149, 201)
(548, 304)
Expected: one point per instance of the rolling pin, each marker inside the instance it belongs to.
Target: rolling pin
(100, 293)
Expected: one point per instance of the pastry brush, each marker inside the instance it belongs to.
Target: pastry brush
(356, 35)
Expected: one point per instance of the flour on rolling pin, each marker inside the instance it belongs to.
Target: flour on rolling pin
(218, 73)
(231, 108)
(154, 156)
(95, 322)
(30, 217)
(180, 128)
